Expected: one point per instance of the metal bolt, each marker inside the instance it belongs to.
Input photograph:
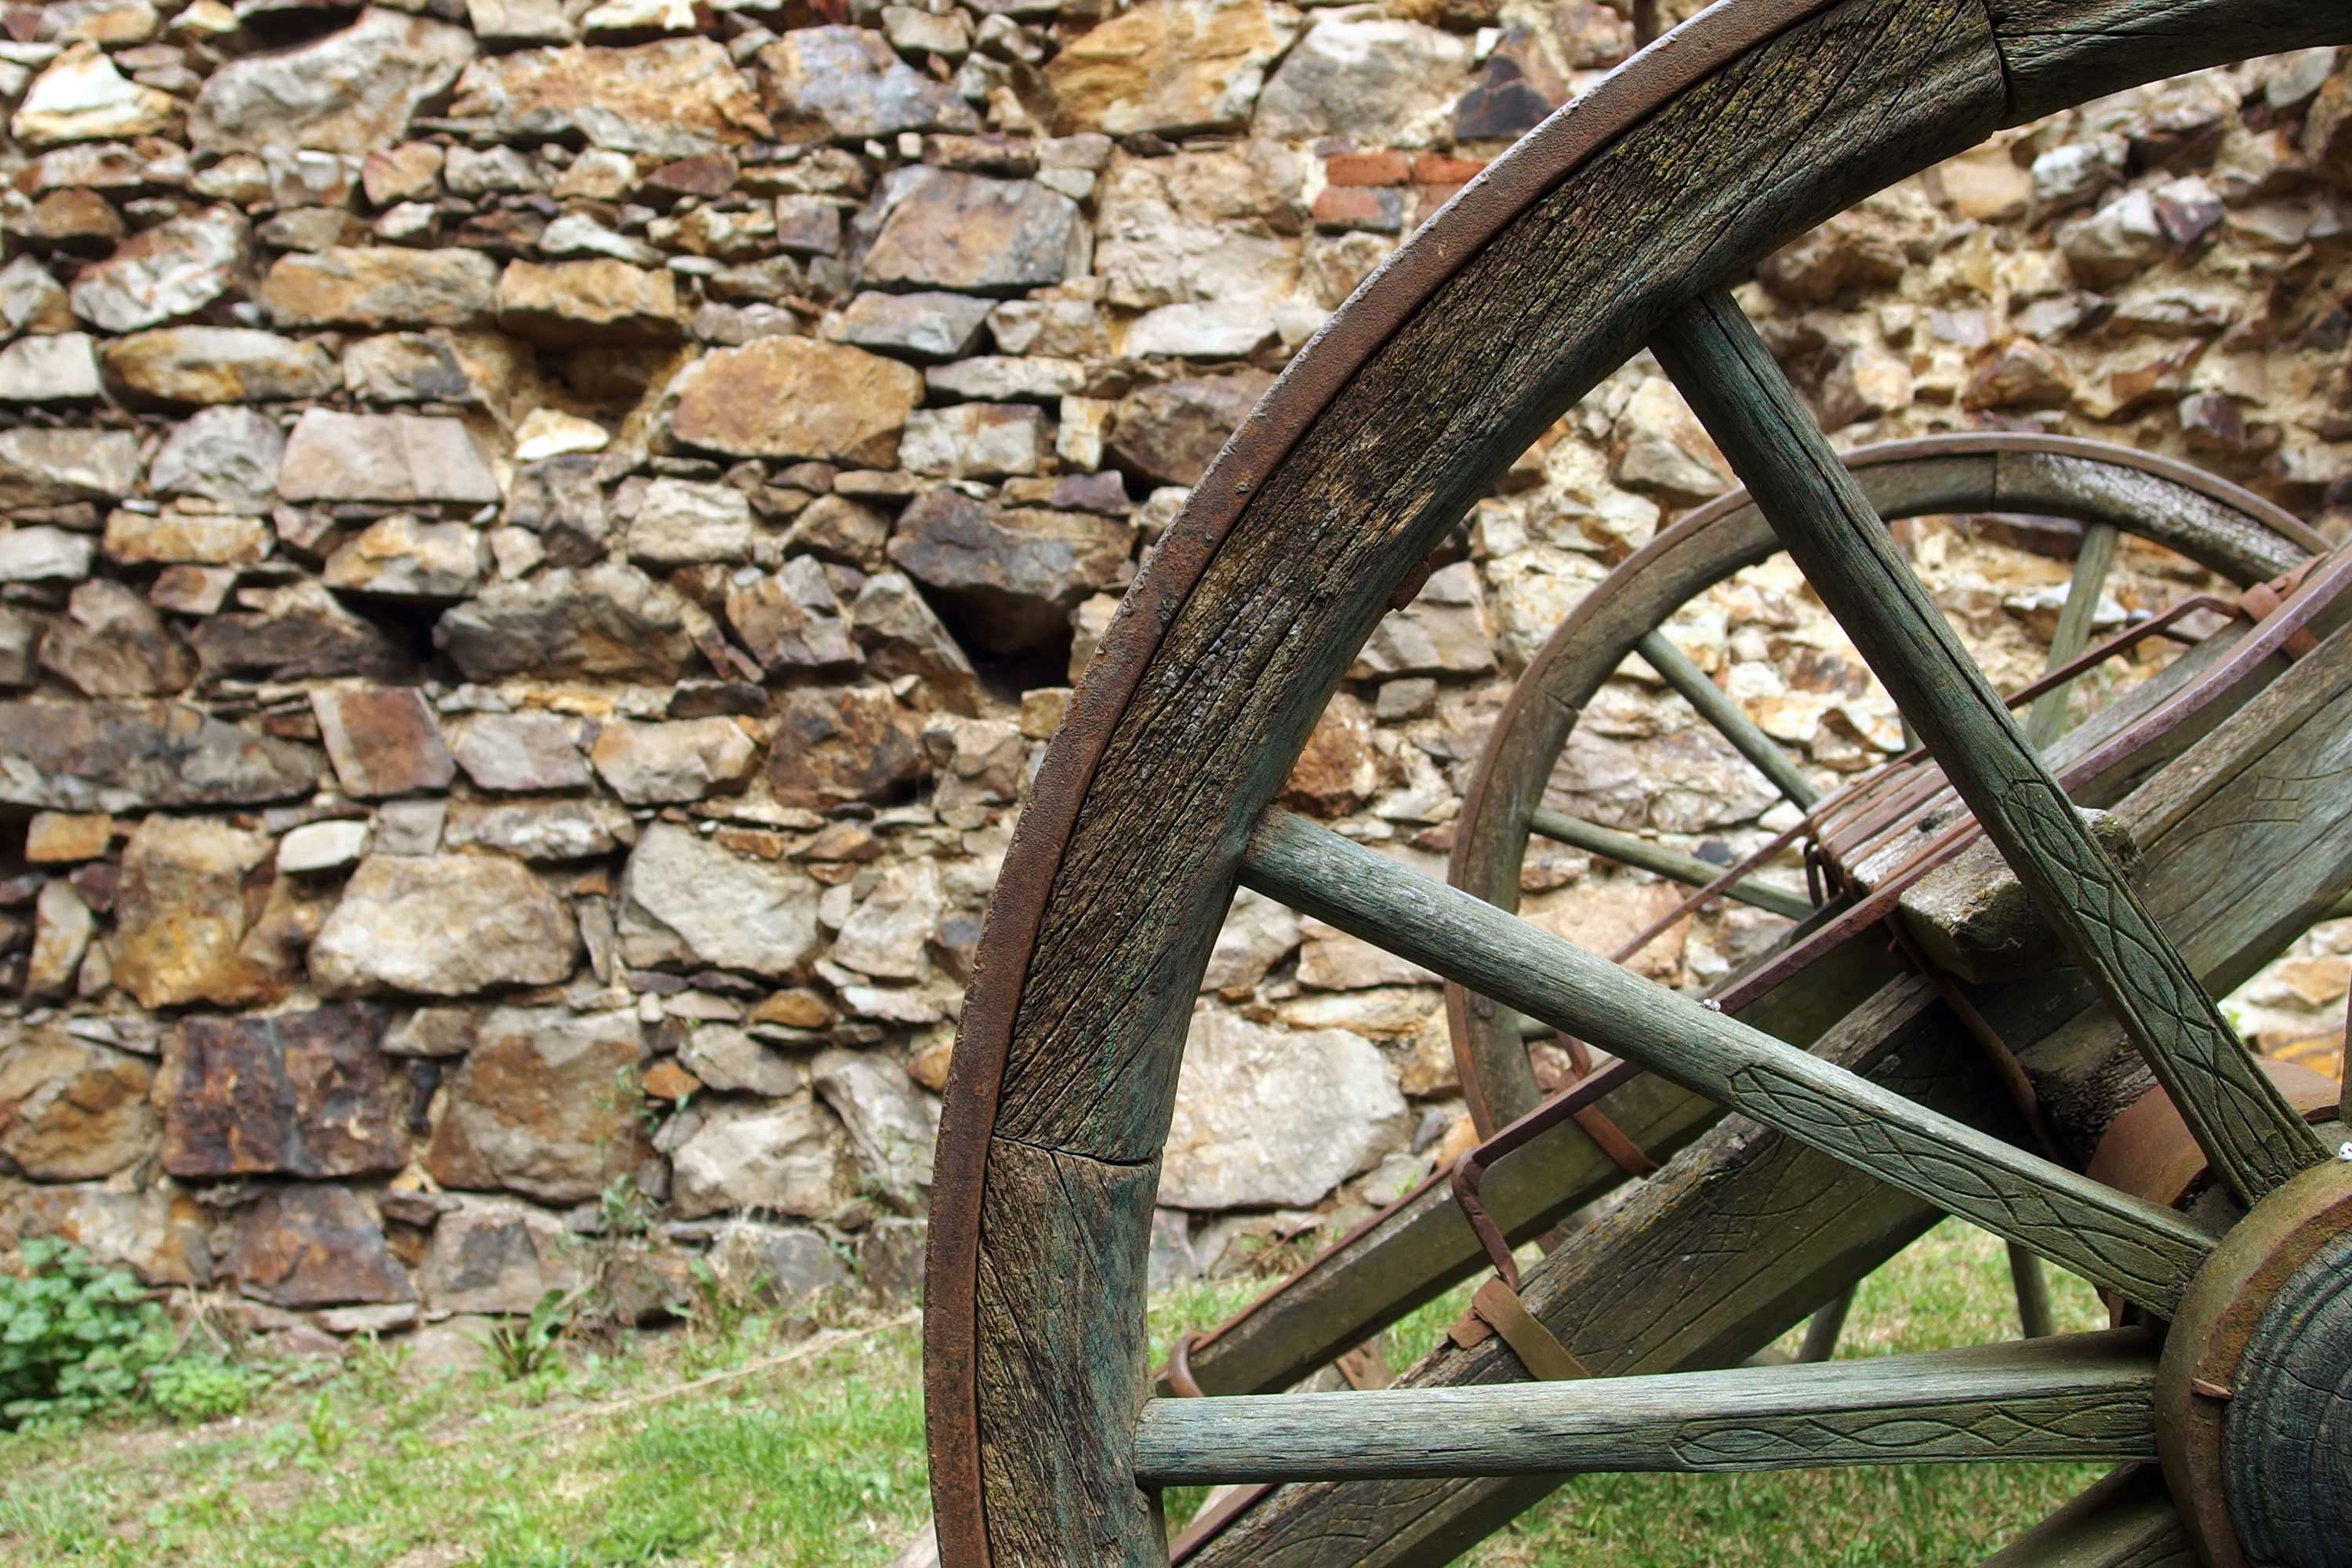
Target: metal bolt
(2343, 1153)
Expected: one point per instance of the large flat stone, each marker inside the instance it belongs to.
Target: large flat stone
(220, 364)
(495, 1255)
(688, 902)
(1267, 1118)
(608, 621)
(382, 285)
(312, 1246)
(47, 467)
(848, 84)
(797, 397)
(842, 743)
(1168, 66)
(174, 268)
(385, 458)
(443, 925)
(293, 1094)
(382, 742)
(121, 756)
(351, 92)
(676, 98)
(936, 228)
(545, 1104)
(790, 1157)
(184, 929)
(1007, 579)
(71, 1111)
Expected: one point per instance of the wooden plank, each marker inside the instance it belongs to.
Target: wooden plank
(1725, 717)
(2047, 719)
(1628, 849)
(2126, 1521)
(2076, 1396)
(2144, 1252)
(2256, 1140)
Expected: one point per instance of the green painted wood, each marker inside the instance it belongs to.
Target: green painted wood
(2254, 1139)
(1629, 849)
(2144, 1252)
(2047, 719)
(2126, 1521)
(1724, 716)
(2080, 1396)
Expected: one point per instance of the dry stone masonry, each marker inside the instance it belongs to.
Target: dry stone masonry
(540, 541)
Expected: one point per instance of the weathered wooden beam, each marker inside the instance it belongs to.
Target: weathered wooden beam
(2136, 1248)
(1725, 717)
(2254, 1138)
(2046, 720)
(2081, 1396)
(1628, 849)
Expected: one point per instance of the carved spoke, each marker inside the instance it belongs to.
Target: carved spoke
(2085, 1396)
(2145, 1252)
(2241, 1121)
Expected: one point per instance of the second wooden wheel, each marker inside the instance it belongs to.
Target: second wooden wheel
(2110, 491)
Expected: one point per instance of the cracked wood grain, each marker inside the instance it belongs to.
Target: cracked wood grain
(2240, 1118)
(2073, 1396)
(2059, 52)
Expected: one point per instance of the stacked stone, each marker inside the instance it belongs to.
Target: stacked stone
(542, 538)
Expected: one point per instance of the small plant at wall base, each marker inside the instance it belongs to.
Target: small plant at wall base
(75, 1339)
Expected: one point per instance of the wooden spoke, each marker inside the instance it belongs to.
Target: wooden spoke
(1822, 1331)
(1724, 715)
(2244, 1125)
(2126, 1521)
(2047, 719)
(2144, 1252)
(2085, 1396)
(2033, 1291)
(1627, 849)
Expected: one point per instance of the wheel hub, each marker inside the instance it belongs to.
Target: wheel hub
(2254, 1396)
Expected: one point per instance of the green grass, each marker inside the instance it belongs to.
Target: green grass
(808, 1453)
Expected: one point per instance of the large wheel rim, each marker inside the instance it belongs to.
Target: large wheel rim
(1065, 1072)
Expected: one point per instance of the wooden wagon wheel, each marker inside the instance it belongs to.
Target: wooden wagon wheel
(2110, 491)
(1608, 226)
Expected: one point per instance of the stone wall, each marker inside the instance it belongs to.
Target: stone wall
(543, 540)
